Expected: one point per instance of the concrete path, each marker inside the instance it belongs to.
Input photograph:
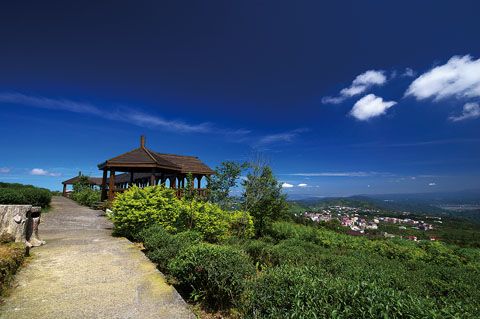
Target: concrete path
(83, 272)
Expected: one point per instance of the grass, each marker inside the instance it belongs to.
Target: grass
(12, 256)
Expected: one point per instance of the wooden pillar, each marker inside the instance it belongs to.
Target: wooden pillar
(199, 181)
(64, 189)
(104, 186)
(131, 179)
(152, 179)
(173, 182)
(111, 186)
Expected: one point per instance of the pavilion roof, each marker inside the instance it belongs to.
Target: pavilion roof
(144, 158)
(92, 180)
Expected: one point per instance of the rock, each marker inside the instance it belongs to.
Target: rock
(20, 222)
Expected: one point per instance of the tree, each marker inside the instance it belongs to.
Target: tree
(263, 196)
(221, 183)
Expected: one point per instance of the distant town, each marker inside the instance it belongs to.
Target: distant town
(360, 221)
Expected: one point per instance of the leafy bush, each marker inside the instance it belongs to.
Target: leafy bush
(216, 274)
(137, 208)
(162, 246)
(308, 292)
(11, 194)
(241, 224)
(86, 196)
(11, 257)
(207, 218)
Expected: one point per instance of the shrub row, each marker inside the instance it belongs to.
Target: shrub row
(210, 273)
(432, 252)
(18, 194)
(137, 209)
(86, 196)
(309, 292)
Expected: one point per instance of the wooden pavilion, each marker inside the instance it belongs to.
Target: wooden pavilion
(144, 167)
(94, 182)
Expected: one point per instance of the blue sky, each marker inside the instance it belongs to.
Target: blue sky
(343, 98)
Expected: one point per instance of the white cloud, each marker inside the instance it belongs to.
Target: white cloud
(4, 170)
(470, 111)
(287, 185)
(302, 185)
(359, 85)
(432, 184)
(370, 106)
(459, 77)
(42, 172)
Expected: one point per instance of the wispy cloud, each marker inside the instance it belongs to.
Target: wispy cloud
(120, 114)
(302, 185)
(287, 185)
(370, 106)
(420, 143)
(4, 170)
(42, 172)
(284, 137)
(360, 84)
(470, 111)
(340, 174)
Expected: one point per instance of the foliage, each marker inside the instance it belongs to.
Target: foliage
(11, 257)
(86, 197)
(13, 193)
(309, 292)
(221, 183)
(162, 246)
(206, 218)
(241, 224)
(137, 208)
(263, 197)
(83, 193)
(216, 274)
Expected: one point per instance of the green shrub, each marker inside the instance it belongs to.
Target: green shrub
(86, 196)
(241, 224)
(19, 194)
(206, 218)
(309, 292)
(215, 274)
(162, 246)
(136, 209)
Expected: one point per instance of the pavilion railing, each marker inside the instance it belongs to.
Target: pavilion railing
(180, 192)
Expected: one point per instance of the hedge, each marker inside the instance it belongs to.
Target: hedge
(18, 194)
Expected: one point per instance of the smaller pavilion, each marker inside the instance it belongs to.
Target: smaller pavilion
(95, 182)
(144, 167)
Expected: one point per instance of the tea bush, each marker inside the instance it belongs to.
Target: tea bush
(13, 193)
(309, 292)
(162, 246)
(215, 274)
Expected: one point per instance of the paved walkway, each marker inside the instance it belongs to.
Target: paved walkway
(83, 272)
